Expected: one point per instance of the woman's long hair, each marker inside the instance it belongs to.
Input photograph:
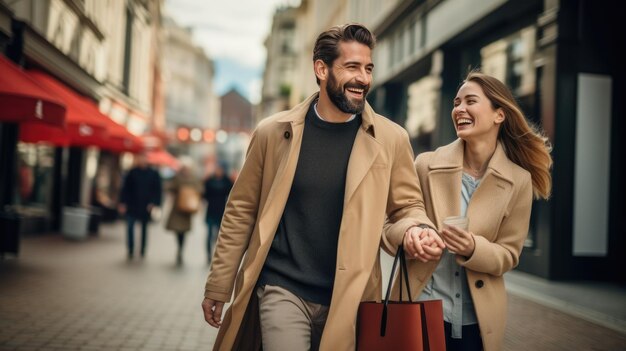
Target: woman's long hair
(524, 143)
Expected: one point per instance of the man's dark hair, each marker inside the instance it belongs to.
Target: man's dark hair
(327, 44)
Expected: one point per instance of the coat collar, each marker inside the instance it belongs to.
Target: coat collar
(297, 114)
(451, 157)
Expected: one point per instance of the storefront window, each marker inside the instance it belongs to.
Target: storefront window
(107, 182)
(34, 175)
(423, 99)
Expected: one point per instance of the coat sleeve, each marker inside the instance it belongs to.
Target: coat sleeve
(502, 255)
(405, 204)
(237, 223)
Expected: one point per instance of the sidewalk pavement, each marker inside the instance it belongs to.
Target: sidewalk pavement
(85, 295)
(599, 303)
(542, 320)
(68, 295)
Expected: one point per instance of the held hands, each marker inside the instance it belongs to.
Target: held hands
(423, 244)
(213, 312)
(121, 208)
(458, 240)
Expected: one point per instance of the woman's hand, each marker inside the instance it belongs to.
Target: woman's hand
(458, 240)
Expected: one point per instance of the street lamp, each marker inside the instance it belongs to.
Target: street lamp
(221, 136)
(209, 136)
(182, 134)
(195, 135)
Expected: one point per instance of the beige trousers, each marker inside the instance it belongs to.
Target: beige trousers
(288, 322)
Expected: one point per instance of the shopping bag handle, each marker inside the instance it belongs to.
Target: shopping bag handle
(404, 275)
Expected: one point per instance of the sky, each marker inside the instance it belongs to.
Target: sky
(232, 33)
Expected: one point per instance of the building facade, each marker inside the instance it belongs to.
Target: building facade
(236, 112)
(131, 45)
(237, 119)
(191, 107)
(312, 18)
(280, 64)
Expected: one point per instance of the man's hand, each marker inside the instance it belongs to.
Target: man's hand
(213, 312)
(423, 244)
(121, 208)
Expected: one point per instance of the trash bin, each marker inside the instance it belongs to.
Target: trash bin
(9, 232)
(75, 223)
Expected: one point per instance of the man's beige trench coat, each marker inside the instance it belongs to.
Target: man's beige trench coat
(499, 213)
(381, 181)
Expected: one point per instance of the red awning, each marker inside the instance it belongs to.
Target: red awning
(160, 157)
(86, 126)
(24, 100)
(119, 139)
(122, 140)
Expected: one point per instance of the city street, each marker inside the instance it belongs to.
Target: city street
(103, 104)
(68, 295)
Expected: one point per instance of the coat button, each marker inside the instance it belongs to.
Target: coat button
(287, 134)
(479, 284)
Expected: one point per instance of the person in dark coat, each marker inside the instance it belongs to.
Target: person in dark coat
(216, 189)
(141, 192)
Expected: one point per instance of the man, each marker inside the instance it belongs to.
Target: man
(308, 210)
(141, 192)
(216, 189)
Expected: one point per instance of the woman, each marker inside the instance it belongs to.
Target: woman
(499, 162)
(186, 189)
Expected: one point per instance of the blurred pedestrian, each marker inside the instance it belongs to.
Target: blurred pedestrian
(141, 192)
(304, 219)
(488, 175)
(216, 189)
(234, 173)
(186, 189)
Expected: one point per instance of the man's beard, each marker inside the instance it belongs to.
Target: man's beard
(339, 98)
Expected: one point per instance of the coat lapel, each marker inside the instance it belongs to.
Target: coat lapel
(364, 151)
(281, 186)
(493, 194)
(444, 181)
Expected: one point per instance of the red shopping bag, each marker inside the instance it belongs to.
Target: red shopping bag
(400, 325)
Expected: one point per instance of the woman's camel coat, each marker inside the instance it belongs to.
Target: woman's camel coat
(179, 221)
(381, 180)
(499, 214)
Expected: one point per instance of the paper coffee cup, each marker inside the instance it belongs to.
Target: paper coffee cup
(460, 222)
